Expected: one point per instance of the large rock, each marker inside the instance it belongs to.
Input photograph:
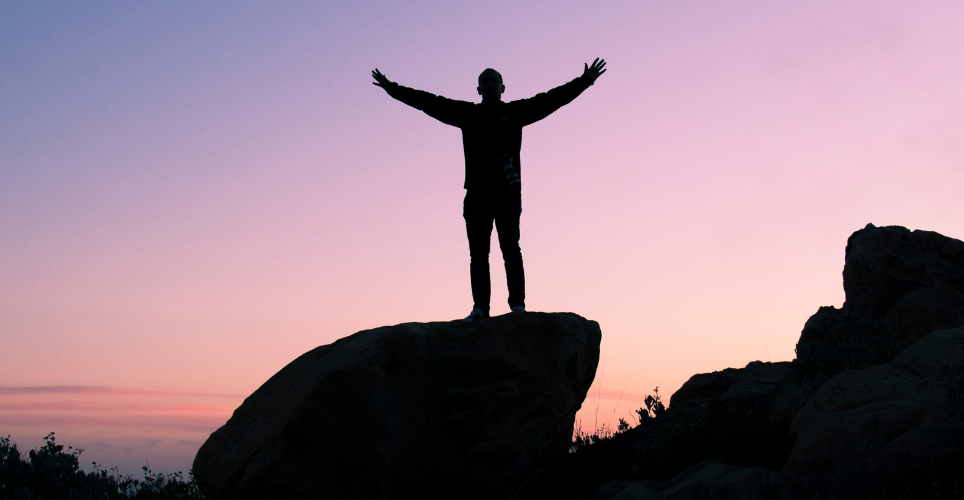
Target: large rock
(899, 285)
(740, 415)
(460, 410)
(758, 386)
(886, 429)
(863, 425)
(885, 263)
(875, 396)
(914, 315)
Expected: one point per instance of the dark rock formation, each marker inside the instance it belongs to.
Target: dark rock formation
(883, 264)
(740, 415)
(910, 409)
(936, 307)
(760, 385)
(710, 479)
(900, 285)
(436, 410)
(876, 395)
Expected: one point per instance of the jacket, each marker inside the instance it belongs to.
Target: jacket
(490, 129)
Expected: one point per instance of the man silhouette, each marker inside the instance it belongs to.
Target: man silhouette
(492, 140)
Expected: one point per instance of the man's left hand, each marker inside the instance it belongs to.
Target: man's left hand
(594, 71)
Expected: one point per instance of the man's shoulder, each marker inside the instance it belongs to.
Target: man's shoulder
(520, 105)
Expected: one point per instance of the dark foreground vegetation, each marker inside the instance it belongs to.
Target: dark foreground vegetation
(53, 473)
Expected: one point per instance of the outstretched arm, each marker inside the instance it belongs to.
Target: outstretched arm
(542, 105)
(447, 111)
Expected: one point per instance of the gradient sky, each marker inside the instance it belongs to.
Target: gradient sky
(192, 194)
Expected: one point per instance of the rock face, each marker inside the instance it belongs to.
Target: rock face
(883, 264)
(909, 410)
(899, 286)
(759, 385)
(460, 410)
(740, 415)
(873, 406)
(707, 479)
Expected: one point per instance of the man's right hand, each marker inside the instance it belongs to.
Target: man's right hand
(380, 79)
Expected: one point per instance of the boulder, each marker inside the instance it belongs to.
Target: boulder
(740, 415)
(938, 307)
(884, 264)
(417, 410)
(899, 285)
(866, 425)
(759, 386)
(834, 340)
(873, 405)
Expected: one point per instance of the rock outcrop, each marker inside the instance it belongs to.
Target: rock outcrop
(759, 386)
(884, 264)
(899, 285)
(872, 406)
(434, 410)
(740, 415)
(886, 416)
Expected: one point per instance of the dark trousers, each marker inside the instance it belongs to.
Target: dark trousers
(479, 211)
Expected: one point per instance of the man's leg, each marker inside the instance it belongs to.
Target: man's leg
(478, 227)
(507, 224)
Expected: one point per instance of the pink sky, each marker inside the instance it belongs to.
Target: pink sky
(192, 195)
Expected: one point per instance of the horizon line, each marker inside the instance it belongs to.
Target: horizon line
(103, 389)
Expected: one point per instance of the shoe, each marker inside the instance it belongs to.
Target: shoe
(518, 309)
(476, 315)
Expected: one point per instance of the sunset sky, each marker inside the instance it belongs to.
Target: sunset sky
(192, 194)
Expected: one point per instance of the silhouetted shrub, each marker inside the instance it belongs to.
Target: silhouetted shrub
(592, 459)
(654, 407)
(50, 472)
(736, 434)
(665, 442)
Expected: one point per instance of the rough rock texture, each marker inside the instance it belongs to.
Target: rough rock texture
(900, 285)
(876, 395)
(707, 479)
(909, 408)
(884, 264)
(414, 410)
(757, 386)
(737, 414)
(937, 307)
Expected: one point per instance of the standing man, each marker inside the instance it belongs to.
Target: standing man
(491, 140)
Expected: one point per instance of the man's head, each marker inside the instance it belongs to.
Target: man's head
(490, 85)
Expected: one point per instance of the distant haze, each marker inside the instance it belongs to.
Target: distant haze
(192, 194)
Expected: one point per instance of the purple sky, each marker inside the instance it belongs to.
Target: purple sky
(194, 194)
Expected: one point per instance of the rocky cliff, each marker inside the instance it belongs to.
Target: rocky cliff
(418, 410)
(871, 407)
